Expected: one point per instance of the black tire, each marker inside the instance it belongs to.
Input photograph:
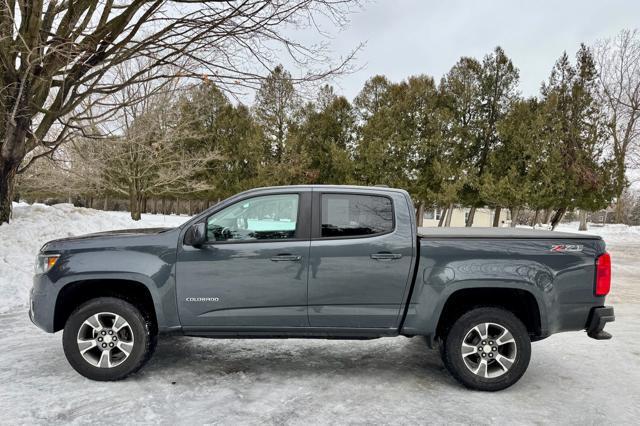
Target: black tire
(143, 331)
(451, 349)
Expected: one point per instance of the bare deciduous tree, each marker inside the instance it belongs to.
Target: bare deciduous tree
(137, 169)
(146, 155)
(57, 55)
(618, 61)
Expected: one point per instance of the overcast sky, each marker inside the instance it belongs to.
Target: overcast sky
(405, 37)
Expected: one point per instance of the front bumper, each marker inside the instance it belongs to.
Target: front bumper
(42, 301)
(598, 318)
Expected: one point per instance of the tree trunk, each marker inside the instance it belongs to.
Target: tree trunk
(619, 209)
(16, 121)
(583, 220)
(443, 215)
(472, 213)
(515, 211)
(447, 222)
(557, 217)
(534, 221)
(620, 184)
(547, 216)
(496, 217)
(135, 205)
(8, 171)
(420, 214)
(105, 206)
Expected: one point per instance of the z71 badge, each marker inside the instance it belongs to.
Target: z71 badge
(564, 248)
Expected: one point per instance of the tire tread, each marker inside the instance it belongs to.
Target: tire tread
(516, 327)
(151, 337)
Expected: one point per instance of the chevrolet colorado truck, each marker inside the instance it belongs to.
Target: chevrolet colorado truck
(321, 261)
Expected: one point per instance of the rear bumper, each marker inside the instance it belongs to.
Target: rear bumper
(598, 318)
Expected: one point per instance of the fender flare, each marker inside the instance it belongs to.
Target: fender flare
(452, 288)
(119, 276)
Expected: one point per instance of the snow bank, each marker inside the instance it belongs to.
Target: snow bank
(610, 233)
(35, 224)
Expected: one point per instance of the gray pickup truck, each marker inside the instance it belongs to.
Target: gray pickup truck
(318, 261)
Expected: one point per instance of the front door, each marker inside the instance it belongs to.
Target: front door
(360, 260)
(253, 270)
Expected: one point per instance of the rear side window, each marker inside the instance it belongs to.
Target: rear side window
(350, 215)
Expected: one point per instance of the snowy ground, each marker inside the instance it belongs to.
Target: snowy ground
(571, 379)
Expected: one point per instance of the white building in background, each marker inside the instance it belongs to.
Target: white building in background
(483, 217)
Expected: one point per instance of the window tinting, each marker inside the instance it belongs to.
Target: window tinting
(271, 217)
(347, 215)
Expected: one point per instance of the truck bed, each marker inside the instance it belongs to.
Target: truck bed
(500, 233)
(460, 259)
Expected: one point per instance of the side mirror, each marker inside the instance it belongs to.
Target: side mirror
(196, 235)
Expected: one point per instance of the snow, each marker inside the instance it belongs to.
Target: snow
(611, 233)
(33, 225)
(571, 378)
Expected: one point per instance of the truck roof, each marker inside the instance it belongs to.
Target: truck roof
(330, 187)
(506, 233)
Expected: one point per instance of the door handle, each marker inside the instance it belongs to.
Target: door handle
(286, 258)
(385, 256)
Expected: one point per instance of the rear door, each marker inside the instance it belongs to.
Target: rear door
(360, 259)
(253, 270)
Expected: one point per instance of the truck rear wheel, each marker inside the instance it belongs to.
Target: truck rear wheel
(107, 339)
(487, 349)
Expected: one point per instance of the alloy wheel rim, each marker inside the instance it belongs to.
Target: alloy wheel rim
(105, 340)
(489, 350)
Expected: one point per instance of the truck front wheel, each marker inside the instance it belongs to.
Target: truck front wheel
(107, 339)
(487, 349)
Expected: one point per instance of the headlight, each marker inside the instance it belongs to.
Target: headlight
(44, 262)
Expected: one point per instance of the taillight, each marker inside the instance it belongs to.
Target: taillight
(603, 275)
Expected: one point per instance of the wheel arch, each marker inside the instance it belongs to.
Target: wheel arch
(134, 290)
(523, 303)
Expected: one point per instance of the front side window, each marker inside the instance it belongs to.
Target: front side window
(348, 215)
(270, 217)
